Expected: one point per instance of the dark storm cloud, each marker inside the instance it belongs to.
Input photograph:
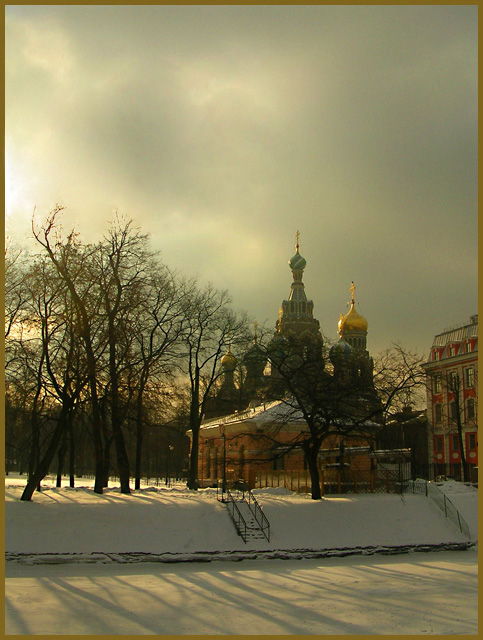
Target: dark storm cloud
(223, 129)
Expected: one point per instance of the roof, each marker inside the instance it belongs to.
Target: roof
(267, 412)
(457, 334)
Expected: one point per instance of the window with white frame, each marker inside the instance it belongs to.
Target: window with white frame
(471, 441)
(453, 381)
(453, 410)
(438, 413)
(470, 408)
(469, 377)
(437, 384)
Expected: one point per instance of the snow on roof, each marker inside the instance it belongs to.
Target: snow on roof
(266, 412)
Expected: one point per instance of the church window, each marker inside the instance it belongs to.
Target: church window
(241, 459)
(207, 464)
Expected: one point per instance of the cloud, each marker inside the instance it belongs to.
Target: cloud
(223, 129)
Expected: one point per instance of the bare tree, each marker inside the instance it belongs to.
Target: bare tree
(157, 331)
(332, 401)
(211, 326)
(73, 263)
(58, 377)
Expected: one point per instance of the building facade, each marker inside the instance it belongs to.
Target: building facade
(452, 400)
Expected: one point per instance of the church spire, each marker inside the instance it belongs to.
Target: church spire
(296, 313)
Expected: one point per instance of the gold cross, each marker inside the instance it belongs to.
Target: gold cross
(352, 289)
(297, 236)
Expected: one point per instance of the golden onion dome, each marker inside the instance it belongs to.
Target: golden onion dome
(229, 361)
(352, 321)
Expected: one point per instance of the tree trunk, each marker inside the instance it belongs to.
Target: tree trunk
(139, 444)
(106, 465)
(116, 418)
(139, 431)
(71, 455)
(60, 459)
(193, 482)
(311, 455)
(43, 466)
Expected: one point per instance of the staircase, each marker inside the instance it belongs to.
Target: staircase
(247, 515)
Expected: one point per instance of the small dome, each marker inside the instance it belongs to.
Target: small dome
(297, 263)
(255, 355)
(277, 346)
(352, 321)
(229, 362)
(340, 350)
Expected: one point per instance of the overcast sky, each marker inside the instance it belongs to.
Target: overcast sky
(222, 130)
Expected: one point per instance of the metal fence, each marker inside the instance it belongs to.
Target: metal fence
(448, 508)
(333, 481)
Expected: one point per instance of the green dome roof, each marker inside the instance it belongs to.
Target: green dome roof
(297, 263)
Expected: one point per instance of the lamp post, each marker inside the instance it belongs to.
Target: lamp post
(168, 451)
(223, 437)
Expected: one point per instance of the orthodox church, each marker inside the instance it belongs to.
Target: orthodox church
(249, 398)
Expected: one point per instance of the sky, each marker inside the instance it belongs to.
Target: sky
(223, 130)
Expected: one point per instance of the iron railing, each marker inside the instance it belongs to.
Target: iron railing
(447, 507)
(258, 514)
(253, 505)
(235, 514)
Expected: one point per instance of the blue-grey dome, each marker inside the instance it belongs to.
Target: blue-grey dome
(341, 350)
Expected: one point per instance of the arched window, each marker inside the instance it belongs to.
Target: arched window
(207, 463)
(241, 459)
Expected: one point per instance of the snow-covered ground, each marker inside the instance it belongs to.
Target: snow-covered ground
(416, 593)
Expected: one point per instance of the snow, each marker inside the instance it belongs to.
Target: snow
(70, 549)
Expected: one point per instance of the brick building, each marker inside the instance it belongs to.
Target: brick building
(452, 395)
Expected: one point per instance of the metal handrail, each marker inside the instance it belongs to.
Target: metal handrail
(240, 523)
(258, 514)
(449, 510)
(441, 500)
(255, 509)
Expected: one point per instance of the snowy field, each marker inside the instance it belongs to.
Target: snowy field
(61, 550)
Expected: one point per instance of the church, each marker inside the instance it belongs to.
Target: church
(252, 430)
